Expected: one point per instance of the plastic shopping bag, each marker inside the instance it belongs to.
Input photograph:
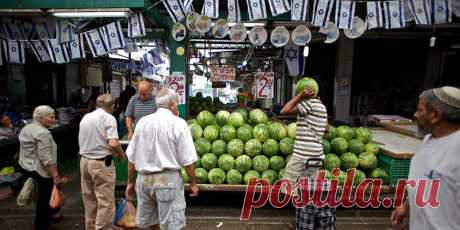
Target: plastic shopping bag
(57, 198)
(27, 193)
(125, 214)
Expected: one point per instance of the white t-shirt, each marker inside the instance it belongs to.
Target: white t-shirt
(437, 158)
(96, 128)
(161, 141)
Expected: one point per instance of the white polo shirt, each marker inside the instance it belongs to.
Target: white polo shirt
(96, 128)
(437, 158)
(161, 141)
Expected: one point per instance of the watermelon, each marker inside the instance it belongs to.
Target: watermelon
(304, 82)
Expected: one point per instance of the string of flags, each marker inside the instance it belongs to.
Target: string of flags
(341, 13)
(59, 42)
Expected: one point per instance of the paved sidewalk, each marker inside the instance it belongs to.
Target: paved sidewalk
(208, 212)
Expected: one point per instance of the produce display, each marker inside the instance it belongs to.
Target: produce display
(233, 147)
(200, 103)
(347, 148)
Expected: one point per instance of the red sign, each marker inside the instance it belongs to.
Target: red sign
(177, 83)
(222, 73)
(265, 84)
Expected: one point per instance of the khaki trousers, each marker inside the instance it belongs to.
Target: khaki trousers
(98, 188)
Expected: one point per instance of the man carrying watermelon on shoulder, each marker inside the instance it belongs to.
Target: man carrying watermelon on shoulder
(311, 126)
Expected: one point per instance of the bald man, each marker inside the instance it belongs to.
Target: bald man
(140, 105)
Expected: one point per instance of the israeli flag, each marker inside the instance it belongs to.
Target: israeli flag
(155, 55)
(175, 9)
(421, 11)
(40, 50)
(278, 7)
(394, 15)
(1, 59)
(28, 29)
(64, 31)
(130, 45)
(322, 11)
(42, 29)
(234, 13)
(12, 29)
(441, 11)
(136, 26)
(14, 52)
(344, 13)
(210, 8)
(257, 9)
(299, 10)
(76, 47)
(374, 15)
(114, 35)
(188, 6)
(57, 51)
(295, 61)
(97, 43)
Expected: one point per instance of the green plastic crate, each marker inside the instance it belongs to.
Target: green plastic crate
(397, 169)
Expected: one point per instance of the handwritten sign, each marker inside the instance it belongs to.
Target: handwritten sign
(177, 83)
(265, 84)
(222, 73)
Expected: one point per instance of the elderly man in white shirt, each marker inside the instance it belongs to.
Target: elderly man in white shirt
(98, 140)
(162, 144)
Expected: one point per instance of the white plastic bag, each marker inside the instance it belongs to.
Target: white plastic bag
(27, 193)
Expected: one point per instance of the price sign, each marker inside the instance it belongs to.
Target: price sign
(177, 83)
(265, 84)
(222, 73)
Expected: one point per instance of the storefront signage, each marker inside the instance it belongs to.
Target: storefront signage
(177, 83)
(222, 73)
(265, 84)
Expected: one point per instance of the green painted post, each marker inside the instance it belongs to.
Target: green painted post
(178, 63)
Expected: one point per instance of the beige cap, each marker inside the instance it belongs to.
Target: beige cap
(449, 95)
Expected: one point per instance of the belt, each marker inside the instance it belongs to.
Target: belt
(98, 159)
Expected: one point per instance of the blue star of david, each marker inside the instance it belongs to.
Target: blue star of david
(39, 48)
(371, 15)
(56, 50)
(344, 14)
(297, 5)
(209, 3)
(13, 49)
(74, 44)
(97, 42)
(135, 24)
(112, 34)
(440, 8)
(255, 4)
(321, 11)
(419, 11)
(175, 7)
(230, 8)
(291, 54)
(395, 14)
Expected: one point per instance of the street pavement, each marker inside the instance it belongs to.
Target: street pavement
(210, 211)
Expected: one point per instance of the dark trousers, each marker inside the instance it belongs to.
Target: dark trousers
(43, 211)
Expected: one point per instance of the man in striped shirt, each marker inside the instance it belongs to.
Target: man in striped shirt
(311, 126)
(140, 105)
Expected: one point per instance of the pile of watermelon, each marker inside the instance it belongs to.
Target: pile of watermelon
(352, 148)
(233, 147)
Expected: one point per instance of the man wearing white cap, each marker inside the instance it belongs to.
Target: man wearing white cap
(438, 158)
